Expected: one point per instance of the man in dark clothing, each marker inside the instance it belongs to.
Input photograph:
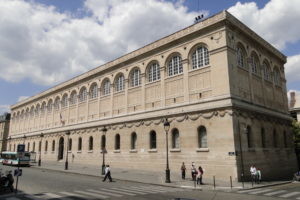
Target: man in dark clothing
(107, 174)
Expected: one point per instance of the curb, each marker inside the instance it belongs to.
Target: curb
(268, 185)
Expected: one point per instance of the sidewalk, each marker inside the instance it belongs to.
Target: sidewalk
(155, 178)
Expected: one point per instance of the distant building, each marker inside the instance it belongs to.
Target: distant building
(4, 130)
(294, 105)
(220, 85)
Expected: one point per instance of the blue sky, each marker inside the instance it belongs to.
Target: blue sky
(39, 51)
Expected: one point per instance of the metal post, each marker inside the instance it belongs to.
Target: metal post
(103, 151)
(167, 127)
(40, 159)
(66, 163)
(214, 182)
(230, 182)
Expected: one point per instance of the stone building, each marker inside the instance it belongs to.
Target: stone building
(4, 129)
(294, 105)
(220, 85)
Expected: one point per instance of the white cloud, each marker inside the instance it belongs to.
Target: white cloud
(292, 68)
(45, 46)
(276, 21)
(21, 98)
(4, 108)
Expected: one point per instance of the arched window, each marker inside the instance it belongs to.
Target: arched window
(28, 147)
(43, 108)
(133, 140)
(46, 146)
(27, 113)
(175, 66)
(79, 144)
(152, 140)
(200, 57)
(153, 72)
(40, 146)
(249, 136)
(275, 139)
(32, 112)
(117, 142)
(91, 143)
(70, 144)
(37, 110)
(73, 98)
(56, 103)
(103, 142)
(82, 94)
(255, 64)
(202, 137)
(135, 77)
(175, 139)
(64, 101)
(263, 138)
(53, 145)
(94, 91)
(33, 147)
(49, 106)
(119, 83)
(241, 55)
(267, 71)
(276, 76)
(106, 87)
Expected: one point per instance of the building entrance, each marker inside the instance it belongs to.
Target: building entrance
(61, 149)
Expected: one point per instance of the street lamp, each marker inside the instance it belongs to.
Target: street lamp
(66, 163)
(40, 146)
(24, 137)
(9, 142)
(104, 130)
(167, 127)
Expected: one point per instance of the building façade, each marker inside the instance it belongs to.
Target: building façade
(220, 85)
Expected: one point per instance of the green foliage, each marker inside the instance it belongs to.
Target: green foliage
(296, 132)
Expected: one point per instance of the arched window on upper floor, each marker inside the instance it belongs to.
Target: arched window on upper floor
(202, 137)
(94, 91)
(119, 83)
(73, 98)
(56, 103)
(105, 87)
(175, 139)
(255, 64)
(175, 65)
(133, 140)
(27, 114)
(64, 101)
(49, 106)
(241, 56)
(267, 71)
(200, 57)
(82, 94)
(135, 77)
(43, 108)
(32, 111)
(153, 72)
(79, 144)
(37, 110)
(276, 76)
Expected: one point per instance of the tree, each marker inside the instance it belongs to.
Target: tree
(296, 133)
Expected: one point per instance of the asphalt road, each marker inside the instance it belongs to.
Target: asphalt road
(43, 184)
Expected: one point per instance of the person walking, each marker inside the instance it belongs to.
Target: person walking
(253, 173)
(183, 171)
(258, 175)
(193, 171)
(199, 176)
(107, 174)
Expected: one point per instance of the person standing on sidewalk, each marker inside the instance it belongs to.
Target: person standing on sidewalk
(199, 176)
(253, 173)
(107, 174)
(183, 171)
(193, 171)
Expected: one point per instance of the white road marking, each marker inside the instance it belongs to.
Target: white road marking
(139, 189)
(32, 197)
(145, 189)
(51, 195)
(274, 193)
(105, 193)
(151, 189)
(245, 191)
(119, 192)
(261, 191)
(125, 190)
(69, 194)
(289, 194)
(93, 194)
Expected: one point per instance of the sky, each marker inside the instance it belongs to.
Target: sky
(46, 42)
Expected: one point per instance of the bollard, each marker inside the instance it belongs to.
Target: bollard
(194, 183)
(230, 182)
(214, 183)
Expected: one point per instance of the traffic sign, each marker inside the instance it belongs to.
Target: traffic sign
(18, 172)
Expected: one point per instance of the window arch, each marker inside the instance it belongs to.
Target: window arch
(46, 146)
(255, 64)
(241, 56)
(175, 139)
(202, 137)
(53, 145)
(135, 77)
(249, 136)
(103, 142)
(120, 83)
(275, 143)
(49, 106)
(276, 76)
(79, 144)
(263, 138)
(152, 140)
(106, 87)
(117, 142)
(153, 72)
(43, 108)
(200, 57)
(73, 98)
(133, 140)
(56, 103)
(94, 91)
(175, 66)
(64, 101)
(267, 71)
(91, 143)
(82, 94)
(37, 110)
(32, 111)
(70, 145)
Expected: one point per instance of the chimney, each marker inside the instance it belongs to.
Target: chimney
(292, 99)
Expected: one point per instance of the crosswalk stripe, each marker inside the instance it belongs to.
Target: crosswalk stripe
(261, 191)
(139, 189)
(150, 189)
(51, 195)
(163, 189)
(145, 189)
(289, 194)
(69, 194)
(119, 192)
(274, 193)
(105, 193)
(93, 194)
(125, 190)
(298, 198)
(245, 191)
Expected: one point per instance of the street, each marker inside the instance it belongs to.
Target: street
(46, 184)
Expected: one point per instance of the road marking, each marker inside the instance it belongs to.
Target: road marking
(139, 189)
(92, 194)
(261, 191)
(32, 197)
(51, 195)
(105, 193)
(69, 194)
(298, 198)
(150, 189)
(125, 190)
(119, 192)
(144, 189)
(274, 193)
(162, 189)
(289, 195)
(245, 191)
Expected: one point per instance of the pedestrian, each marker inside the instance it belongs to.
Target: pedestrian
(193, 171)
(199, 176)
(107, 174)
(183, 171)
(253, 173)
(258, 175)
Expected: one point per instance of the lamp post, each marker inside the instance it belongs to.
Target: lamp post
(42, 135)
(104, 130)
(66, 163)
(9, 142)
(167, 127)
(24, 137)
